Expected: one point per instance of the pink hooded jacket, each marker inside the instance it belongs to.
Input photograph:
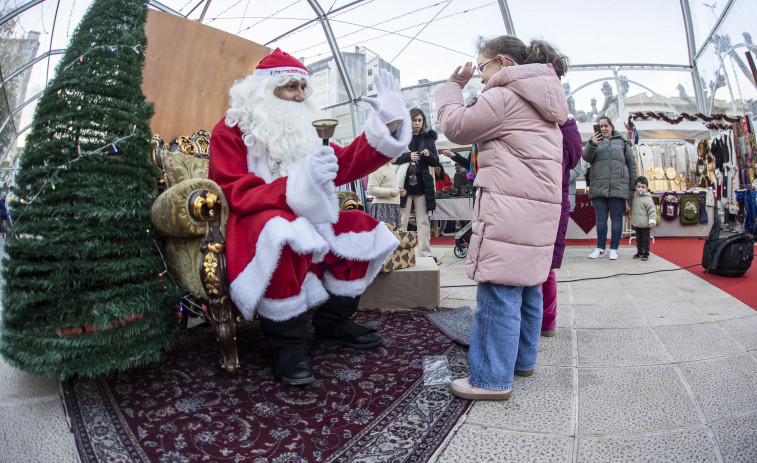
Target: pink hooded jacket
(514, 123)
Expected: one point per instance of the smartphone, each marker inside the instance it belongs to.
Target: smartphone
(597, 129)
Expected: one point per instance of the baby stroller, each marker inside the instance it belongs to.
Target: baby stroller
(462, 239)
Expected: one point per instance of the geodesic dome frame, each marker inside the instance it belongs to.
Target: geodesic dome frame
(665, 55)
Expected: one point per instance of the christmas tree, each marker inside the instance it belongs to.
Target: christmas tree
(84, 286)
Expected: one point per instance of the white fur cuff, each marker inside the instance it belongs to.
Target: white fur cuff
(308, 200)
(312, 294)
(383, 141)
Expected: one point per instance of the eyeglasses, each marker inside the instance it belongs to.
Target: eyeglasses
(481, 66)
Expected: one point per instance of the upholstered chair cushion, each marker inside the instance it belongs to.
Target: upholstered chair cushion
(184, 259)
(178, 167)
(170, 211)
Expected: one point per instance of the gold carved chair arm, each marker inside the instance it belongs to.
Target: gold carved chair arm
(186, 209)
(349, 200)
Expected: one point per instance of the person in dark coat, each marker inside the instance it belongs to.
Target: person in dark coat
(416, 176)
(463, 162)
(613, 173)
(571, 155)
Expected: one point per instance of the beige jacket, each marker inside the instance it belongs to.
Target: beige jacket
(380, 183)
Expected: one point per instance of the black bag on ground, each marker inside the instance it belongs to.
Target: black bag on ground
(730, 257)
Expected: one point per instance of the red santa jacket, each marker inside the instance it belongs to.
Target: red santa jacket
(262, 221)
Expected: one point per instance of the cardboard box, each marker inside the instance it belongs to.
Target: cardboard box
(404, 255)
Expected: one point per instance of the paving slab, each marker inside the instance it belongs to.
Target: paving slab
(484, 444)
(698, 341)
(557, 350)
(683, 446)
(724, 308)
(605, 296)
(36, 433)
(737, 438)
(607, 316)
(724, 387)
(678, 312)
(618, 400)
(20, 386)
(543, 403)
(743, 330)
(619, 347)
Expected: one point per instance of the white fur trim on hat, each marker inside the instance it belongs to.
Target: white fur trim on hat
(282, 71)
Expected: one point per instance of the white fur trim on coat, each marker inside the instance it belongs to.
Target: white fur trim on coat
(383, 141)
(306, 199)
(374, 246)
(259, 165)
(312, 294)
(249, 286)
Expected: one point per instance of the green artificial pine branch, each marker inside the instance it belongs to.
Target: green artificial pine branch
(83, 290)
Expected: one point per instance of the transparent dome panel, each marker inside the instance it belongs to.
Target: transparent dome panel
(601, 32)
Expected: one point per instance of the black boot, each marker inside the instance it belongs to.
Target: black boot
(333, 324)
(286, 339)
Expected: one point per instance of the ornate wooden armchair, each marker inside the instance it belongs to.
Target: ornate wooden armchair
(190, 214)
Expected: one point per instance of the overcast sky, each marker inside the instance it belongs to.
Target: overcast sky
(427, 39)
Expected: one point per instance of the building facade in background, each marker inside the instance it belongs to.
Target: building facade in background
(14, 53)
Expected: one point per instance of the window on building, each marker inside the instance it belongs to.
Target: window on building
(370, 72)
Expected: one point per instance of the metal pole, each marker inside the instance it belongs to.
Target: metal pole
(621, 104)
(323, 18)
(204, 10)
(506, 17)
(689, 28)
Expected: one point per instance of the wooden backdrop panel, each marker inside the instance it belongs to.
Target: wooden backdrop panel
(189, 68)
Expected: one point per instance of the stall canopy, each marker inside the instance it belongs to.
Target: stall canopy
(672, 56)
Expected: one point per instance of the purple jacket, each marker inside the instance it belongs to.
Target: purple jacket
(571, 155)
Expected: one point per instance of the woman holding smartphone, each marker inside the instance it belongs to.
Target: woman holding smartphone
(613, 170)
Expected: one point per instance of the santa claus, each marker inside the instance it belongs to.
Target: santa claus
(289, 247)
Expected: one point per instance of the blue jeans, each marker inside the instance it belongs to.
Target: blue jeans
(505, 334)
(615, 207)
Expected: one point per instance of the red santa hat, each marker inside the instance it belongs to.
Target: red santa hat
(280, 63)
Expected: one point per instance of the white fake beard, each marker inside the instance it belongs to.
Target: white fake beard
(280, 130)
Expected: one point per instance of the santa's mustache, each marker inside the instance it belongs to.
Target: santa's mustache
(282, 131)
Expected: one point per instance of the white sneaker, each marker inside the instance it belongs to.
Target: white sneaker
(597, 253)
(613, 254)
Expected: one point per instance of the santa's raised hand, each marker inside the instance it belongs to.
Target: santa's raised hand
(388, 103)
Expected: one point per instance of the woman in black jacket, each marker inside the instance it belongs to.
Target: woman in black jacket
(416, 178)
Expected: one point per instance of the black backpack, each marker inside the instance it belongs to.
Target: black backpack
(730, 257)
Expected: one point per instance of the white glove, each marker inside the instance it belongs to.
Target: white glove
(322, 165)
(388, 103)
(310, 186)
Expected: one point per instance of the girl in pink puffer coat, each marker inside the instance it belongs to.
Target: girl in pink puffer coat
(514, 123)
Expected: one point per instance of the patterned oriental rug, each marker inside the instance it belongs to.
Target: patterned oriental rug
(364, 406)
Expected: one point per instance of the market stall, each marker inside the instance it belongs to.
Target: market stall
(697, 167)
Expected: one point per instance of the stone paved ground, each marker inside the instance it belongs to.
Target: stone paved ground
(655, 367)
